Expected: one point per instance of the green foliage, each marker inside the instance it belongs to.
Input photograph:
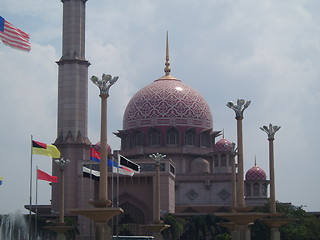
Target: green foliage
(72, 221)
(124, 230)
(306, 226)
(176, 227)
(203, 227)
(206, 227)
(223, 236)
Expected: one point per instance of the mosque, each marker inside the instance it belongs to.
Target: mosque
(170, 117)
(167, 116)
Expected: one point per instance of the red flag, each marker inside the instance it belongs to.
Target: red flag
(41, 175)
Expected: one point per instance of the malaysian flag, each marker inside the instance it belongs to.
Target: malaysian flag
(14, 37)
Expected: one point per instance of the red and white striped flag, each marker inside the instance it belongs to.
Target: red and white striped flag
(14, 37)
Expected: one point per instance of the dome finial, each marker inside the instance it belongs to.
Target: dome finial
(255, 160)
(167, 68)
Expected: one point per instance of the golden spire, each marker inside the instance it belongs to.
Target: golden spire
(167, 68)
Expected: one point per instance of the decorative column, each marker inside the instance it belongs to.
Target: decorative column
(62, 164)
(271, 130)
(102, 212)
(239, 109)
(233, 153)
(157, 227)
(157, 158)
(274, 221)
(60, 227)
(104, 85)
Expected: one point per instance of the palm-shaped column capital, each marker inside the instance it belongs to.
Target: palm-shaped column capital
(270, 130)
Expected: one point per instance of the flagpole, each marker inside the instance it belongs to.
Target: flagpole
(36, 212)
(118, 194)
(112, 192)
(90, 185)
(30, 193)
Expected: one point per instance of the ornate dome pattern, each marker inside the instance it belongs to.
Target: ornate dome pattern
(255, 174)
(223, 145)
(167, 102)
(97, 147)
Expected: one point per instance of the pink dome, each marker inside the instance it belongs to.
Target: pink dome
(255, 174)
(97, 147)
(167, 101)
(223, 145)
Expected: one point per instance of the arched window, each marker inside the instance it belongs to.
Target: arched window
(172, 137)
(125, 143)
(154, 138)
(256, 189)
(189, 138)
(133, 214)
(264, 190)
(204, 140)
(216, 160)
(230, 161)
(138, 139)
(248, 189)
(223, 160)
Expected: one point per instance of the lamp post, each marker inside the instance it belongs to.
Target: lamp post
(233, 153)
(271, 130)
(104, 85)
(239, 109)
(62, 164)
(157, 158)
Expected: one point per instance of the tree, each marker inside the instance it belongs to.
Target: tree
(204, 227)
(307, 226)
(176, 227)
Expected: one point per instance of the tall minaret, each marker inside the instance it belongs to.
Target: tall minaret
(72, 139)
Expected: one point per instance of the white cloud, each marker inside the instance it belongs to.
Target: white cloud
(264, 51)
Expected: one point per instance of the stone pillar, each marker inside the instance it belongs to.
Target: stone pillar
(275, 233)
(157, 227)
(239, 109)
(157, 216)
(103, 183)
(240, 176)
(233, 154)
(271, 130)
(272, 178)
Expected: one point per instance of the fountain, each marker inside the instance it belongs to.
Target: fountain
(13, 226)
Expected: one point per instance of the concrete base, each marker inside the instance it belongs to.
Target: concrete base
(233, 229)
(97, 214)
(242, 218)
(156, 229)
(242, 209)
(275, 224)
(100, 216)
(239, 222)
(238, 232)
(60, 229)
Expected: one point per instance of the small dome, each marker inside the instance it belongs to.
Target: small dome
(199, 165)
(97, 147)
(223, 145)
(255, 174)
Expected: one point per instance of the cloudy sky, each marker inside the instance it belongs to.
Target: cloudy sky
(265, 51)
